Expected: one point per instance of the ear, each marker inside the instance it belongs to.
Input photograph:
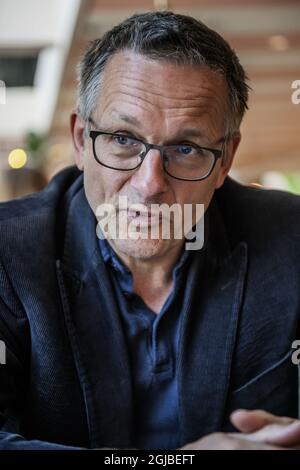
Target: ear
(77, 129)
(231, 146)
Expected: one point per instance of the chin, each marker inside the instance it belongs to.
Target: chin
(142, 249)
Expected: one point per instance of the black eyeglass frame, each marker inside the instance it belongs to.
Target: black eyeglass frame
(218, 153)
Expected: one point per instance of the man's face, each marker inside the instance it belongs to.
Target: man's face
(160, 103)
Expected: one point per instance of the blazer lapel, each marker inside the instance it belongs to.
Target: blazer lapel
(95, 331)
(208, 331)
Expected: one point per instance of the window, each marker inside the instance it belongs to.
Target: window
(18, 70)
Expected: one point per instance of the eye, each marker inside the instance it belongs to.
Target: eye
(123, 140)
(185, 149)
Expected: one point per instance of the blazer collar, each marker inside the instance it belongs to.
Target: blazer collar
(93, 323)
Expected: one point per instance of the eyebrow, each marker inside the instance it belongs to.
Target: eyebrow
(184, 133)
(188, 132)
(128, 118)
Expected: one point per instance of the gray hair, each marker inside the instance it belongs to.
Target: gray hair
(171, 37)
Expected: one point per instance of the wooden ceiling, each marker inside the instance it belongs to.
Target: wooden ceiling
(266, 37)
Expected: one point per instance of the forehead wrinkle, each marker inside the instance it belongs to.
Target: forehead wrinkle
(132, 95)
(131, 72)
(189, 104)
(139, 100)
(125, 89)
(125, 80)
(163, 116)
(128, 103)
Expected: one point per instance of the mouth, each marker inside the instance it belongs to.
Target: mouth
(144, 217)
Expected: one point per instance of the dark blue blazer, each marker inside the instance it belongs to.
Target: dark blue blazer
(67, 378)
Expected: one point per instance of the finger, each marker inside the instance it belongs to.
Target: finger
(249, 421)
(286, 435)
(242, 442)
(233, 441)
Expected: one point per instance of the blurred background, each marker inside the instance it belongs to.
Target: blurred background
(42, 41)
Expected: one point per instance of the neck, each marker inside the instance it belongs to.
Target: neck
(152, 277)
(158, 267)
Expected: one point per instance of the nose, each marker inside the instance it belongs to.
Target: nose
(150, 178)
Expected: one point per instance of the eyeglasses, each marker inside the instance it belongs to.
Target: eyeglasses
(187, 162)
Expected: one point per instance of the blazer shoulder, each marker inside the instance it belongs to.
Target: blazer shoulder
(42, 201)
(257, 213)
(31, 221)
(252, 199)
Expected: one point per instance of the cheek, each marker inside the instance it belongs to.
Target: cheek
(94, 189)
(101, 184)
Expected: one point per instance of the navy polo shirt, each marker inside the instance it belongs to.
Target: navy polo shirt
(152, 341)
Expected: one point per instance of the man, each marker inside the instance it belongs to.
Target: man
(137, 342)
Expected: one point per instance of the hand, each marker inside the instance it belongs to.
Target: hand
(259, 431)
(260, 426)
(232, 441)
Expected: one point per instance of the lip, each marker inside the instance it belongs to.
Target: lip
(144, 218)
